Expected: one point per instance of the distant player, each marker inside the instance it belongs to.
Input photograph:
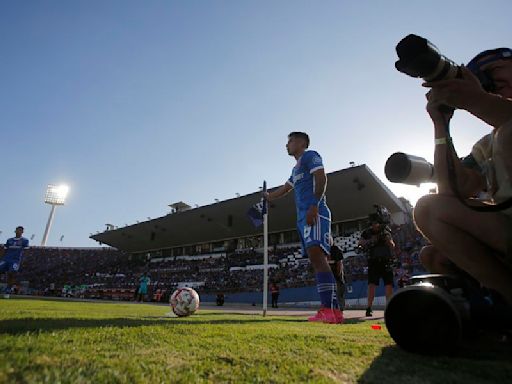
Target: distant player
(308, 180)
(11, 262)
(143, 287)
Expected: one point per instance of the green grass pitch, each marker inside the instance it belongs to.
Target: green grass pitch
(72, 342)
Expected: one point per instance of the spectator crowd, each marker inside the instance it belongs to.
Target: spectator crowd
(109, 273)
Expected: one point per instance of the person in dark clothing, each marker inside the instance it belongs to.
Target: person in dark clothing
(274, 290)
(379, 243)
(335, 261)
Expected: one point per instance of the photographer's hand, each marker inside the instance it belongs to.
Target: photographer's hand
(467, 93)
(463, 93)
(437, 114)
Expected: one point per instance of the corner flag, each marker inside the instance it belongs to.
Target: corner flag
(257, 211)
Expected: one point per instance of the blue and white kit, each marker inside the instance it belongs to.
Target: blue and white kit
(303, 182)
(14, 247)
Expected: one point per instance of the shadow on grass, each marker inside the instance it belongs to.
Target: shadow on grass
(481, 362)
(24, 325)
(291, 317)
(357, 320)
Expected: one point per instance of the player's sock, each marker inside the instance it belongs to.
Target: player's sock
(326, 287)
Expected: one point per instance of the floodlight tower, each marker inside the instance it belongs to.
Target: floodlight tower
(55, 195)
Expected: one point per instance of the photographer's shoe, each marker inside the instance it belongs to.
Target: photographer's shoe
(369, 312)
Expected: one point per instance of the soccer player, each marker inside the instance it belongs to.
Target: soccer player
(143, 287)
(308, 180)
(11, 262)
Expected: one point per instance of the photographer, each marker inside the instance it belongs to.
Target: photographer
(378, 243)
(479, 243)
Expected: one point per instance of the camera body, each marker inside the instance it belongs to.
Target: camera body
(435, 313)
(429, 315)
(418, 57)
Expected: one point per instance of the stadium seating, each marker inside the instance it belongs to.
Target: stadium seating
(110, 274)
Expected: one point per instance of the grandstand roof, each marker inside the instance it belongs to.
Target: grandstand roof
(351, 194)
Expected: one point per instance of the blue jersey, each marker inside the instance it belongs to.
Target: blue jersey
(303, 182)
(14, 248)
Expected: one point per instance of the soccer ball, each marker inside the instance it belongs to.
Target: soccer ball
(184, 302)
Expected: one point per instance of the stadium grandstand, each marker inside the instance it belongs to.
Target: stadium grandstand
(215, 249)
(223, 226)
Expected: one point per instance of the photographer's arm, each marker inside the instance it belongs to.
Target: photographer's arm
(469, 182)
(454, 93)
(493, 109)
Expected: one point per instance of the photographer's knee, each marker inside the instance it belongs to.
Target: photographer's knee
(427, 257)
(422, 212)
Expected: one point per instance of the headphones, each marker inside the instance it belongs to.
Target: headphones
(491, 55)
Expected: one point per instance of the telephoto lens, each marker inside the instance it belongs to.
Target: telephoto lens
(418, 57)
(408, 169)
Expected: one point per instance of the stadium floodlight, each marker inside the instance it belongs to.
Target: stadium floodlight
(55, 195)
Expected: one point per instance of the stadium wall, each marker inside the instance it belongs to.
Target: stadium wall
(356, 293)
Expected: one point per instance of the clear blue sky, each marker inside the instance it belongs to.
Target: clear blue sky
(138, 104)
